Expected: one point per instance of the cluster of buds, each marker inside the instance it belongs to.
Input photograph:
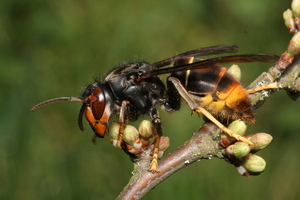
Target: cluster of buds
(292, 17)
(240, 154)
(137, 140)
(292, 22)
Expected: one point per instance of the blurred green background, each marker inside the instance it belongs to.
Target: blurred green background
(54, 48)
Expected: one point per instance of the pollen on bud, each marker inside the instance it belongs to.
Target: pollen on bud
(254, 164)
(260, 140)
(131, 134)
(146, 129)
(114, 130)
(238, 149)
(235, 71)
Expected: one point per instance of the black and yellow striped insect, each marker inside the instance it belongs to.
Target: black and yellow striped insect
(135, 89)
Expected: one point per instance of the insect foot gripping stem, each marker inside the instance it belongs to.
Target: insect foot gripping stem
(137, 142)
(264, 87)
(240, 154)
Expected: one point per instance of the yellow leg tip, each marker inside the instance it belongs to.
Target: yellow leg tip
(154, 162)
(153, 168)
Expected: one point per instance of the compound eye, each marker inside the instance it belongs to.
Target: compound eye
(97, 103)
(97, 111)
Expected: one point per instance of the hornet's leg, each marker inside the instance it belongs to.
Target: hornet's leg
(264, 87)
(120, 143)
(156, 121)
(196, 108)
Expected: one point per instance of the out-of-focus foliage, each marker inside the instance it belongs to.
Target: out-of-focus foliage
(54, 48)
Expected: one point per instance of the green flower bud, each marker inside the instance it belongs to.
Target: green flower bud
(238, 149)
(296, 8)
(114, 130)
(289, 20)
(131, 134)
(254, 164)
(260, 140)
(287, 57)
(235, 71)
(146, 129)
(239, 127)
(294, 45)
(164, 143)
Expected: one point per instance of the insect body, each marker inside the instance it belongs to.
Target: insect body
(215, 90)
(134, 89)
